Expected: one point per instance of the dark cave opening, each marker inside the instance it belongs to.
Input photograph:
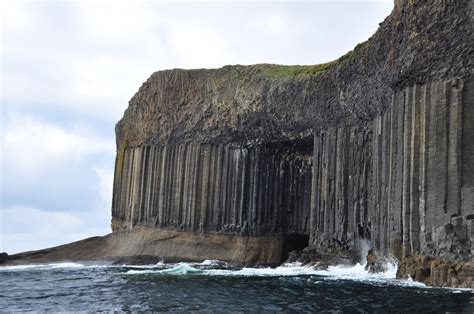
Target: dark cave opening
(293, 242)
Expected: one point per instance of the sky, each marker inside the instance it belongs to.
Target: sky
(69, 68)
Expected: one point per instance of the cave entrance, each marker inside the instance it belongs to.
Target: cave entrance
(293, 242)
(295, 172)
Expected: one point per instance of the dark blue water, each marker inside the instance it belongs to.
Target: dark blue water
(214, 287)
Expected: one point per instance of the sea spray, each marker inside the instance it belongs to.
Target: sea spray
(362, 248)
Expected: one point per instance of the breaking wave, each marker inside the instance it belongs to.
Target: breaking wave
(355, 273)
(218, 268)
(340, 272)
(42, 266)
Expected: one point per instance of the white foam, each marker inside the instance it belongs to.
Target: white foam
(177, 269)
(282, 271)
(207, 268)
(358, 272)
(341, 272)
(41, 266)
(157, 265)
(18, 267)
(211, 262)
(186, 268)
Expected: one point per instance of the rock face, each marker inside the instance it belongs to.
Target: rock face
(214, 188)
(376, 147)
(403, 182)
(372, 151)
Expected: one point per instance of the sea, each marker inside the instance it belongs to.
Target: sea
(216, 287)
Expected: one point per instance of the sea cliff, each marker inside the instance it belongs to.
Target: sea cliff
(375, 147)
(248, 163)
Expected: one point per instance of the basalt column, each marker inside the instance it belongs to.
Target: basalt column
(213, 188)
(404, 182)
(342, 165)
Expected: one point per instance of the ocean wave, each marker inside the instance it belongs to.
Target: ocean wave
(218, 268)
(340, 272)
(212, 262)
(160, 264)
(358, 272)
(290, 269)
(176, 269)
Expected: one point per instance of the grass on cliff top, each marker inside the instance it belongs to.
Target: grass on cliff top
(290, 70)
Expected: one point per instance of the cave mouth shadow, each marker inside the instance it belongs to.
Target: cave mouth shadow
(293, 242)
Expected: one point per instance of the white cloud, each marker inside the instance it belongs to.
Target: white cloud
(106, 182)
(273, 22)
(208, 51)
(118, 22)
(44, 163)
(28, 228)
(31, 147)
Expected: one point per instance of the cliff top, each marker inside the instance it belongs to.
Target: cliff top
(417, 42)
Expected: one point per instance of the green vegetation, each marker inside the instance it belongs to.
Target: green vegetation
(289, 70)
(352, 54)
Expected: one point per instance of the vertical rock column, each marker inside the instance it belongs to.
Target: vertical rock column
(340, 185)
(416, 165)
(213, 188)
(423, 143)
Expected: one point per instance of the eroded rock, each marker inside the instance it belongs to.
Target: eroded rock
(435, 272)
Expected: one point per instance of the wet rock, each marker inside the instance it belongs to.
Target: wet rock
(435, 272)
(306, 256)
(137, 260)
(3, 257)
(312, 256)
(377, 263)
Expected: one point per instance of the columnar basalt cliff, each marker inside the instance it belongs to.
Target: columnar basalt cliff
(376, 146)
(246, 163)
(214, 188)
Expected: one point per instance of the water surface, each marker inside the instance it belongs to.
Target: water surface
(213, 286)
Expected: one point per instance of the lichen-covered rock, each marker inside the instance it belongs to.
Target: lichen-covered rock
(435, 272)
(377, 263)
(418, 43)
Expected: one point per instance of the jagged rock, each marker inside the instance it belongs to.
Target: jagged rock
(3, 257)
(307, 256)
(137, 260)
(377, 263)
(434, 272)
(316, 258)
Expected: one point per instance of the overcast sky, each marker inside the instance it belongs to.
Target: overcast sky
(68, 69)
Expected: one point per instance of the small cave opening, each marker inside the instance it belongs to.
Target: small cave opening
(293, 242)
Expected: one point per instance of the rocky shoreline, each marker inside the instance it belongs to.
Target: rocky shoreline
(428, 270)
